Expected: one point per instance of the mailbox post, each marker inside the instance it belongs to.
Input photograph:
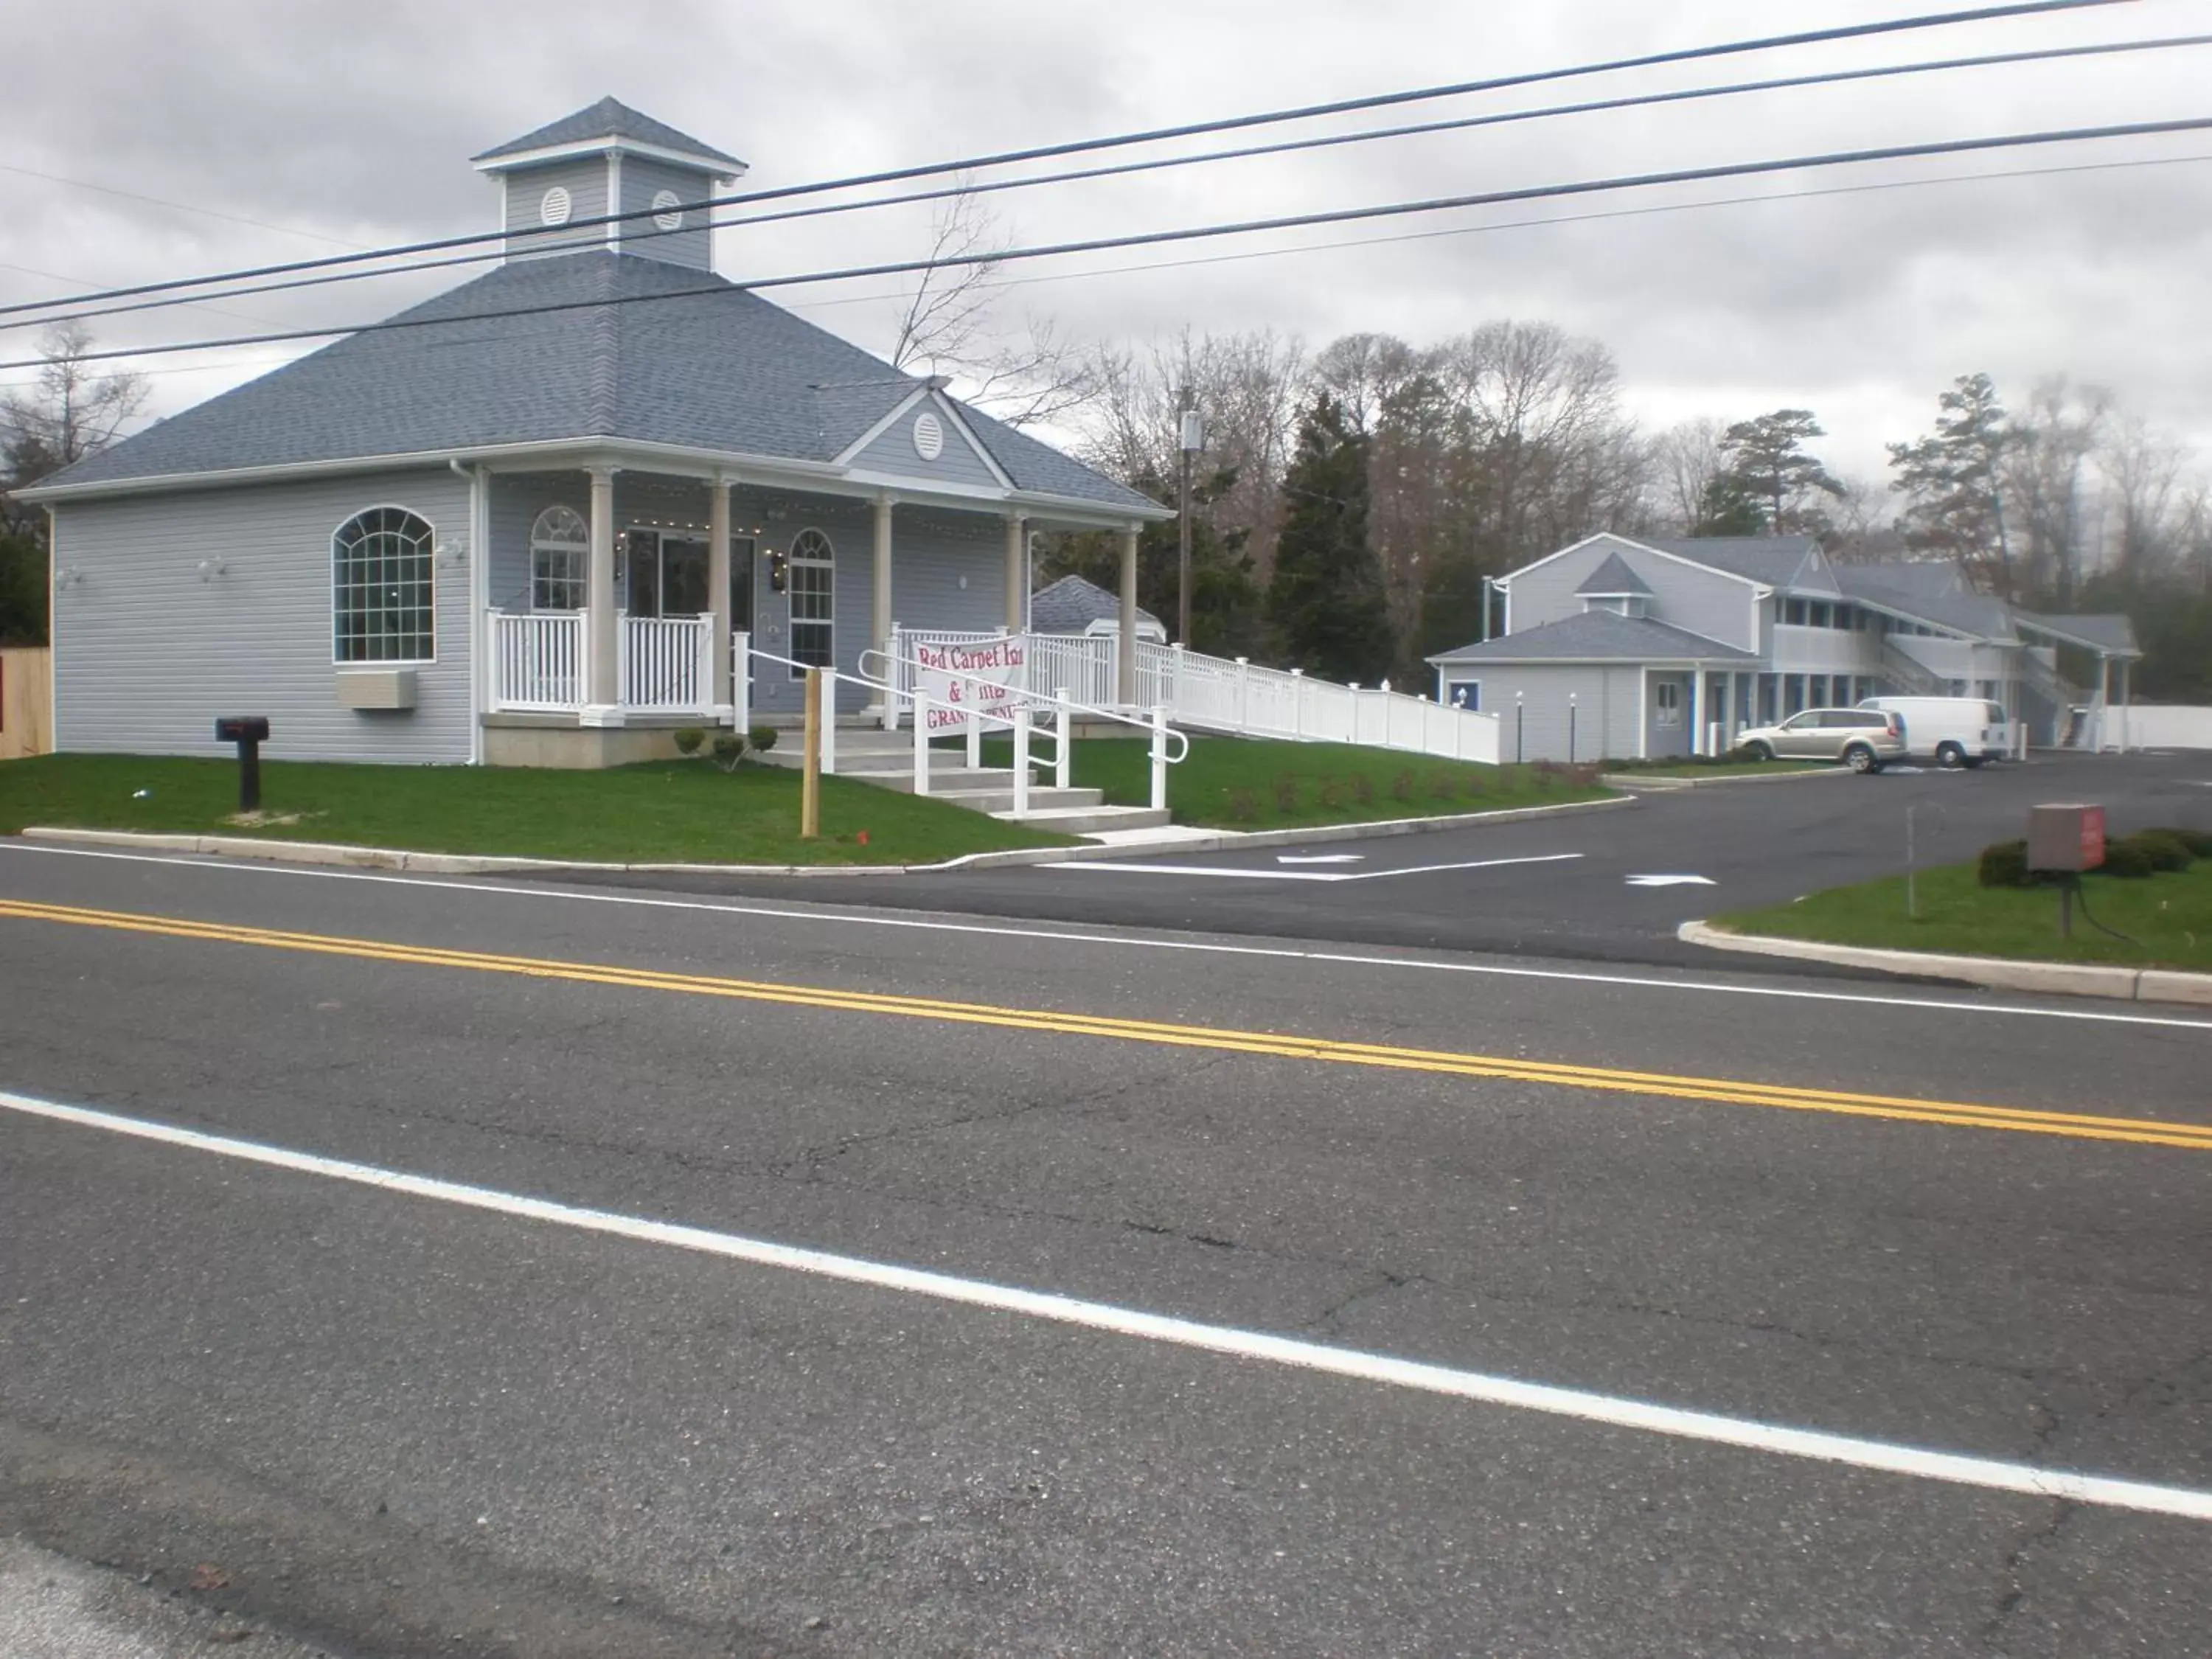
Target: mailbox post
(249, 733)
(2065, 840)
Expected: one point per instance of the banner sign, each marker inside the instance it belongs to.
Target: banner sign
(981, 677)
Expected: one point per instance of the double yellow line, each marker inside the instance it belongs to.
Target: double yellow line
(1729, 1091)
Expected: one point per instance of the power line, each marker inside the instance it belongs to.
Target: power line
(1005, 158)
(180, 207)
(1651, 211)
(1290, 221)
(1423, 129)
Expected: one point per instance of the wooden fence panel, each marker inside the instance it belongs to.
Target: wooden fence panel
(27, 704)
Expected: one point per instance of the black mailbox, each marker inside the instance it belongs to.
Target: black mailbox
(249, 733)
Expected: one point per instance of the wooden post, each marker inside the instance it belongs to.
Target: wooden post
(810, 785)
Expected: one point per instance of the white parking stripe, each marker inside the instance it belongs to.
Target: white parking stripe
(1132, 941)
(1610, 1409)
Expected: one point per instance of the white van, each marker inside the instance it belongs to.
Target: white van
(1949, 731)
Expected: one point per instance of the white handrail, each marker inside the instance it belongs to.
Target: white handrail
(1058, 699)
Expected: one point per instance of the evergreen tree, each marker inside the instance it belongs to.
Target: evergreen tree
(1767, 469)
(1950, 479)
(1326, 605)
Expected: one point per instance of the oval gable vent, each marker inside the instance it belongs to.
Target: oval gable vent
(553, 207)
(928, 436)
(667, 210)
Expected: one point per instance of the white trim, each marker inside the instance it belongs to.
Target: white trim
(844, 456)
(613, 228)
(1627, 541)
(721, 171)
(1643, 715)
(430, 552)
(479, 608)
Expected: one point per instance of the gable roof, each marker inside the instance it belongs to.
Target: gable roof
(611, 346)
(1613, 577)
(1771, 561)
(608, 119)
(2098, 632)
(1073, 604)
(1597, 637)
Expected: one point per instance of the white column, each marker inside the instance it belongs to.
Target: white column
(718, 587)
(880, 621)
(1125, 646)
(2123, 705)
(1698, 744)
(602, 691)
(1018, 547)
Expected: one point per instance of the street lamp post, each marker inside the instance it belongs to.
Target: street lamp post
(1571, 728)
(1519, 710)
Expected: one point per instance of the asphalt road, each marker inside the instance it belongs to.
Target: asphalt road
(1750, 843)
(438, 1421)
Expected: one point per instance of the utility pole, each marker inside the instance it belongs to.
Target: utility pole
(1192, 439)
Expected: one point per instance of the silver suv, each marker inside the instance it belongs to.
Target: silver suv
(1864, 739)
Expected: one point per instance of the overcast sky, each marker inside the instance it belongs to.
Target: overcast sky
(331, 124)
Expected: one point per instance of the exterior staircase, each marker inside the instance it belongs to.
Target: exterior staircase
(868, 754)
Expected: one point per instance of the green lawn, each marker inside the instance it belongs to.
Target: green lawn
(669, 812)
(2170, 914)
(1236, 783)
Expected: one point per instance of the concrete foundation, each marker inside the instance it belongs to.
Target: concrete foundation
(557, 741)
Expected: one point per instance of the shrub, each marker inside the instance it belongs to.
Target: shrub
(1332, 793)
(1243, 806)
(1585, 774)
(1443, 786)
(688, 739)
(1402, 785)
(2165, 850)
(1286, 793)
(761, 737)
(2129, 858)
(1741, 755)
(1363, 788)
(2002, 864)
(729, 749)
(2198, 842)
(1473, 783)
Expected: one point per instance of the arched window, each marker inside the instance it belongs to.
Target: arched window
(813, 609)
(560, 556)
(381, 603)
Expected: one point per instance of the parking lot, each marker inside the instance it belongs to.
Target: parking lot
(1609, 884)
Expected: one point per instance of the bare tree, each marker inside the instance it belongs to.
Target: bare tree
(2141, 467)
(71, 411)
(2049, 444)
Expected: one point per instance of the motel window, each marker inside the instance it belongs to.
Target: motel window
(1668, 694)
(381, 588)
(560, 556)
(1465, 694)
(1793, 612)
(813, 609)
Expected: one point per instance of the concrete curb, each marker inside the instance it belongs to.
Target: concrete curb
(1997, 973)
(464, 863)
(1646, 780)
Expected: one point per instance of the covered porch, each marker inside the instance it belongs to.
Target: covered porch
(612, 598)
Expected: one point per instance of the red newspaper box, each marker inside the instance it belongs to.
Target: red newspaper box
(2065, 838)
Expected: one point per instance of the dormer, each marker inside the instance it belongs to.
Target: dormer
(1615, 586)
(606, 160)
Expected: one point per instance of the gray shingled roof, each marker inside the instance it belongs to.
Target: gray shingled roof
(1071, 605)
(2098, 631)
(608, 118)
(1929, 590)
(635, 349)
(1597, 637)
(1771, 561)
(1614, 576)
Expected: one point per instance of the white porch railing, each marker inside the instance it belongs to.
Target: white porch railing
(537, 661)
(1225, 696)
(664, 665)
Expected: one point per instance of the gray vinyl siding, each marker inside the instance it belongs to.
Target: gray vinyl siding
(149, 653)
(892, 451)
(1702, 602)
(1605, 708)
(693, 245)
(585, 176)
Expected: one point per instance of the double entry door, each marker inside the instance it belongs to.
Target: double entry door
(666, 574)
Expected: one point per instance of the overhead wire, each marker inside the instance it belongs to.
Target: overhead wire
(2014, 8)
(1154, 164)
(1287, 222)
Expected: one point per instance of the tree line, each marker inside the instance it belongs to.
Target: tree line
(1351, 501)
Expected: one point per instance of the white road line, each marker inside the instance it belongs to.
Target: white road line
(1131, 941)
(1321, 858)
(1131, 868)
(1611, 1409)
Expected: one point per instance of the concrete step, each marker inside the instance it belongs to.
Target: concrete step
(1001, 801)
(1088, 820)
(943, 779)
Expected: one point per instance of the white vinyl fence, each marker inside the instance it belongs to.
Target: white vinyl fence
(2154, 726)
(664, 665)
(1220, 694)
